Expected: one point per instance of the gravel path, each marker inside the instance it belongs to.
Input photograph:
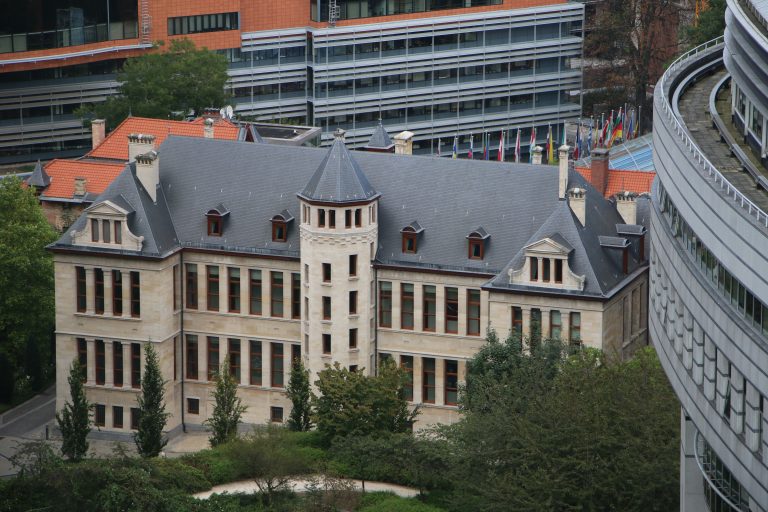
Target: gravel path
(301, 484)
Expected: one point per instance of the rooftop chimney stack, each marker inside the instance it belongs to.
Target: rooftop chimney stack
(578, 203)
(80, 187)
(139, 144)
(340, 134)
(537, 151)
(563, 171)
(208, 128)
(600, 169)
(404, 143)
(626, 205)
(148, 173)
(98, 132)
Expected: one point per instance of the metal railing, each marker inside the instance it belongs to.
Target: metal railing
(706, 166)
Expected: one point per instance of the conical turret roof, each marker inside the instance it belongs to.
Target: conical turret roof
(338, 179)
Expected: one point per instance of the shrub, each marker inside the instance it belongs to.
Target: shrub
(388, 502)
(175, 474)
(215, 464)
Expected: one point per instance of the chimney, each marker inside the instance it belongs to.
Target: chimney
(563, 174)
(98, 132)
(208, 128)
(148, 172)
(578, 204)
(600, 169)
(404, 143)
(626, 205)
(80, 187)
(537, 151)
(139, 144)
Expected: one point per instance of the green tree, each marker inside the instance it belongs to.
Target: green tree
(152, 416)
(166, 84)
(75, 418)
(228, 408)
(299, 393)
(353, 404)
(711, 23)
(26, 287)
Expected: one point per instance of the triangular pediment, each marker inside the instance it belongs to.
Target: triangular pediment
(549, 245)
(107, 208)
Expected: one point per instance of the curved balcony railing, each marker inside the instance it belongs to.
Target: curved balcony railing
(718, 478)
(664, 107)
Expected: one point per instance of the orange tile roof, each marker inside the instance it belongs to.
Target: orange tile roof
(621, 180)
(115, 145)
(98, 176)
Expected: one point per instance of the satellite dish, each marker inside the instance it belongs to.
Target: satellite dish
(223, 113)
(230, 112)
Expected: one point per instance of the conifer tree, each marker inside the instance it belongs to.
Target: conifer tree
(299, 393)
(75, 419)
(152, 416)
(228, 408)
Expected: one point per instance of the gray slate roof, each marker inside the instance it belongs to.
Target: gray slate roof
(516, 204)
(380, 138)
(39, 178)
(338, 179)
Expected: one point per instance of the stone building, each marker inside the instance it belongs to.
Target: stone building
(267, 253)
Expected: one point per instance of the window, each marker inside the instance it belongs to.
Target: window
(81, 300)
(192, 357)
(406, 306)
(255, 354)
(277, 365)
(534, 263)
(234, 358)
(100, 415)
(117, 417)
(276, 414)
(406, 363)
(575, 328)
(409, 242)
(320, 218)
(117, 364)
(517, 320)
(279, 230)
(98, 302)
(558, 271)
(135, 365)
(476, 249)
(326, 272)
(214, 224)
(213, 287)
(385, 304)
(430, 308)
(213, 357)
(451, 382)
(295, 295)
(295, 355)
(118, 234)
(100, 362)
(277, 294)
(353, 368)
(428, 380)
(94, 230)
(473, 312)
(135, 294)
(233, 289)
(117, 293)
(358, 217)
(352, 265)
(555, 325)
(82, 356)
(535, 327)
(452, 310)
(105, 233)
(545, 270)
(353, 338)
(332, 219)
(353, 303)
(191, 291)
(347, 219)
(326, 343)
(193, 405)
(255, 292)
(135, 417)
(326, 308)
(203, 23)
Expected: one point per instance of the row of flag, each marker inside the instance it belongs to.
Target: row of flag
(501, 152)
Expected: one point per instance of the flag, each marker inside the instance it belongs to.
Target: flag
(532, 144)
(604, 130)
(637, 123)
(577, 145)
(589, 138)
(616, 129)
(470, 155)
(631, 125)
(439, 143)
(517, 147)
(500, 155)
(455, 147)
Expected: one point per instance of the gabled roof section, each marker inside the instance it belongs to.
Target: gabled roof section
(248, 133)
(39, 177)
(380, 139)
(338, 179)
(630, 229)
(554, 243)
(284, 216)
(98, 176)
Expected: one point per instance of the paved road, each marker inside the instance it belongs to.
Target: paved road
(24, 423)
(302, 484)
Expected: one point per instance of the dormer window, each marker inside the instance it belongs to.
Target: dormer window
(107, 226)
(280, 226)
(216, 218)
(476, 243)
(545, 263)
(410, 234)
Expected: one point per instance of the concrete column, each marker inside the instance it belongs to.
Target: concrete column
(109, 373)
(223, 351)
(723, 381)
(440, 313)
(737, 401)
(710, 354)
(90, 294)
(439, 381)
(691, 482)
(485, 298)
(418, 379)
(687, 326)
(91, 357)
(526, 321)
(752, 417)
(108, 294)
(697, 369)
(126, 364)
(202, 299)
